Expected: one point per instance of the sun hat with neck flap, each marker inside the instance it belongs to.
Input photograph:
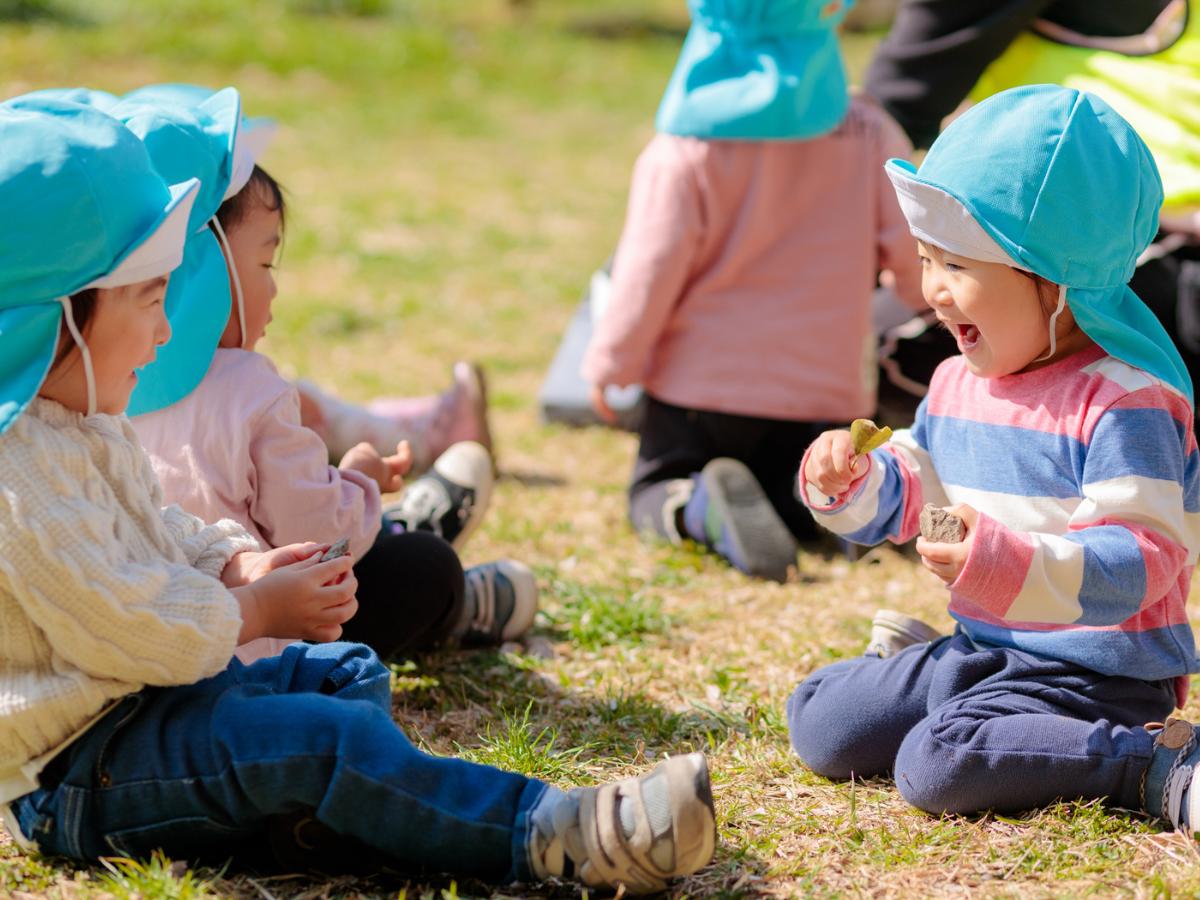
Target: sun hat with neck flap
(208, 139)
(1053, 181)
(84, 208)
(758, 70)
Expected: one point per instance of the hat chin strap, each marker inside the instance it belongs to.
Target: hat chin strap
(237, 282)
(1062, 304)
(88, 373)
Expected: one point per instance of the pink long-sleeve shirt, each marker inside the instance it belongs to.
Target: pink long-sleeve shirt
(234, 448)
(743, 277)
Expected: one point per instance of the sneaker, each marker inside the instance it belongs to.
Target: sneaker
(1168, 789)
(499, 603)
(636, 833)
(891, 632)
(450, 499)
(459, 414)
(730, 513)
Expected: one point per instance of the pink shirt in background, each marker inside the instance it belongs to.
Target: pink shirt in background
(234, 448)
(743, 278)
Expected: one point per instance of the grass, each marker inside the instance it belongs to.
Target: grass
(455, 172)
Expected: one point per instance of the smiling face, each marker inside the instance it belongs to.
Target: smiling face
(253, 243)
(126, 327)
(997, 314)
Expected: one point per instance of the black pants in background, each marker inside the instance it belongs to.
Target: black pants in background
(677, 442)
(410, 594)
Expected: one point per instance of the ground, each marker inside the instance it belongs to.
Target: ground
(454, 173)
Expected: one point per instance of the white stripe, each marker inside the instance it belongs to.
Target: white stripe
(1051, 589)
(1154, 503)
(920, 463)
(1129, 377)
(1019, 513)
(861, 511)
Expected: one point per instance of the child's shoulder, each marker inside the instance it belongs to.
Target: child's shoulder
(244, 377)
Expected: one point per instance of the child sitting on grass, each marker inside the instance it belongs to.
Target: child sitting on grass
(223, 429)
(758, 220)
(126, 726)
(1062, 437)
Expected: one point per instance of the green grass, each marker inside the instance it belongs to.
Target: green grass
(455, 170)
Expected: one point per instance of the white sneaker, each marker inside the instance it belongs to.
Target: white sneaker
(500, 601)
(891, 632)
(636, 833)
(450, 499)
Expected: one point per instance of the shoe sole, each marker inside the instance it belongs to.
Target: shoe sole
(758, 534)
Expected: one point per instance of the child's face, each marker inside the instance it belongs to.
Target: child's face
(995, 312)
(127, 326)
(253, 243)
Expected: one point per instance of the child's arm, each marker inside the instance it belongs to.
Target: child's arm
(1129, 541)
(653, 261)
(298, 496)
(873, 498)
(62, 558)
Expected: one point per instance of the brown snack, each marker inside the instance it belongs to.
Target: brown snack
(339, 548)
(940, 526)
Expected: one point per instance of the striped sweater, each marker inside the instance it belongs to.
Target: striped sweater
(1087, 479)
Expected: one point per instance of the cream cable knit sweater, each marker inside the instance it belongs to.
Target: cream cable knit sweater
(101, 591)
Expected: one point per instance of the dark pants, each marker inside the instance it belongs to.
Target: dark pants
(410, 594)
(965, 730)
(677, 442)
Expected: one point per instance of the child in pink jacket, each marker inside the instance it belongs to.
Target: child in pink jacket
(758, 221)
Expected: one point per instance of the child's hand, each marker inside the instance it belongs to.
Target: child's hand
(399, 464)
(600, 405)
(946, 561)
(832, 466)
(249, 566)
(307, 599)
(365, 458)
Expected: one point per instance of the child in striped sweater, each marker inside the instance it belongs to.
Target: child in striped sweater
(1062, 436)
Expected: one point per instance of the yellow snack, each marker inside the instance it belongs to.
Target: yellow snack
(868, 436)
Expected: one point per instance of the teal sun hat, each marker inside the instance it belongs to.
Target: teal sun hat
(84, 208)
(201, 134)
(758, 70)
(1053, 181)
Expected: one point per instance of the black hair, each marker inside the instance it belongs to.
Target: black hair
(262, 190)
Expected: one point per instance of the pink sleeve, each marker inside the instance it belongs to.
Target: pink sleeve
(652, 265)
(996, 567)
(297, 495)
(897, 246)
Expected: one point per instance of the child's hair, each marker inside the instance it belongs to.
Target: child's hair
(83, 307)
(261, 189)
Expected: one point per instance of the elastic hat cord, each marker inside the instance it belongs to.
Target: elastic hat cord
(237, 282)
(1062, 304)
(88, 373)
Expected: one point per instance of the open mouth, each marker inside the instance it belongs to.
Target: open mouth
(967, 336)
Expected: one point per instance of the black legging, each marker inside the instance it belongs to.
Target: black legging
(410, 594)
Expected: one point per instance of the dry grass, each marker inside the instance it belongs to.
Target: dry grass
(455, 172)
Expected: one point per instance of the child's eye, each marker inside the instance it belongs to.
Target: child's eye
(951, 267)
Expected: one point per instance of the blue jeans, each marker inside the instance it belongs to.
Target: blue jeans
(202, 771)
(965, 729)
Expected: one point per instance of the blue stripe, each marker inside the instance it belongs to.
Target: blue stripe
(1148, 655)
(1005, 459)
(891, 506)
(1143, 442)
(1191, 483)
(1114, 574)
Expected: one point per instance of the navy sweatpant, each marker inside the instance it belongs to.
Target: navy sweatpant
(964, 729)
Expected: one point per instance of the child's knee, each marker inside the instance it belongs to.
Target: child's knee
(818, 733)
(938, 772)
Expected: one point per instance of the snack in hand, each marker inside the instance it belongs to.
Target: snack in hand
(868, 436)
(339, 548)
(940, 526)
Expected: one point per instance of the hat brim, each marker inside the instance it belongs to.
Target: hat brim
(254, 136)
(197, 306)
(160, 249)
(792, 88)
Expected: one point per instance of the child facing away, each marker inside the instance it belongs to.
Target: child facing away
(126, 725)
(222, 427)
(758, 221)
(1062, 436)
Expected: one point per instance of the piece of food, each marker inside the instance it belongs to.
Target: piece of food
(339, 548)
(868, 436)
(940, 526)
